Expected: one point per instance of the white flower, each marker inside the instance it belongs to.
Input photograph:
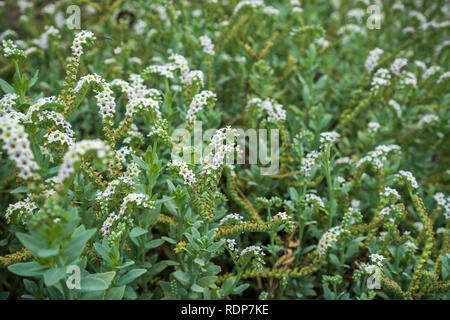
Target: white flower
(234, 217)
(380, 79)
(427, 119)
(394, 104)
(329, 137)
(373, 127)
(275, 111)
(328, 238)
(397, 65)
(373, 58)
(17, 145)
(208, 46)
(183, 170)
(408, 176)
(377, 259)
(199, 101)
(390, 192)
(311, 198)
(81, 38)
(76, 151)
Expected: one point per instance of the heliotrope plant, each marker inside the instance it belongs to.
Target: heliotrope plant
(102, 199)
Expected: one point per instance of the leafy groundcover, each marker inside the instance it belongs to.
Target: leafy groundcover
(224, 149)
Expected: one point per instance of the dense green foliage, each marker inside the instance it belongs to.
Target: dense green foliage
(359, 207)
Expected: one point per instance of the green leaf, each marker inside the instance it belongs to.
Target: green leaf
(130, 276)
(207, 281)
(196, 288)
(52, 276)
(34, 79)
(227, 285)
(136, 232)
(6, 87)
(216, 245)
(32, 243)
(155, 243)
(241, 288)
(183, 277)
(22, 189)
(106, 276)
(93, 284)
(27, 269)
(115, 293)
(169, 240)
(75, 245)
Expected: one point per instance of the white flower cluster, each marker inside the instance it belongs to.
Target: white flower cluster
(76, 151)
(184, 171)
(444, 202)
(408, 79)
(257, 253)
(38, 106)
(139, 96)
(18, 146)
(408, 176)
(397, 65)
(7, 103)
(11, 49)
(105, 99)
(396, 106)
(322, 42)
(386, 210)
(127, 179)
(271, 11)
(410, 245)
(286, 219)
(121, 154)
(308, 162)
(296, 6)
(249, 3)
(379, 155)
(373, 127)
(233, 217)
(388, 192)
(221, 146)
(343, 160)
(351, 28)
(329, 137)
(198, 102)
(190, 77)
(377, 259)
(81, 39)
(373, 58)
(159, 128)
(381, 79)
(139, 199)
(25, 206)
(208, 46)
(42, 41)
(428, 73)
(356, 13)
(444, 77)
(57, 119)
(314, 199)
(328, 238)
(275, 111)
(165, 70)
(231, 244)
(179, 62)
(427, 119)
(59, 137)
